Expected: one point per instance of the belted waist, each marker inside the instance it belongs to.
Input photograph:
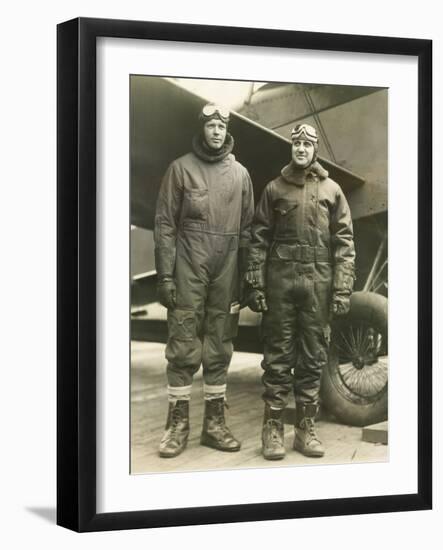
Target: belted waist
(203, 227)
(301, 253)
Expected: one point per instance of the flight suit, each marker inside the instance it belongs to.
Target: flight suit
(203, 217)
(302, 244)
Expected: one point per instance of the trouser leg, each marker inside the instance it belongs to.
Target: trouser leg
(279, 336)
(217, 347)
(220, 324)
(313, 354)
(313, 330)
(184, 346)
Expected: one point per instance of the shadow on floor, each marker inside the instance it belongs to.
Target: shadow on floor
(49, 514)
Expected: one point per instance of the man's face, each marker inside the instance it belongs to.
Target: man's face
(302, 152)
(214, 132)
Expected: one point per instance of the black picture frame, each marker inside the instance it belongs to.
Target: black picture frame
(77, 250)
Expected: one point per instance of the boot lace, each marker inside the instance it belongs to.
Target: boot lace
(307, 424)
(274, 429)
(175, 420)
(219, 419)
(221, 423)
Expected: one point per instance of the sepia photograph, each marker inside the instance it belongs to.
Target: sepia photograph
(224, 239)
(258, 274)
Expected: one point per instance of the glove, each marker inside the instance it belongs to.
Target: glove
(344, 277)
(343, 284)
(166, 290)
(255, 277)
(340, 305)
(256, 300)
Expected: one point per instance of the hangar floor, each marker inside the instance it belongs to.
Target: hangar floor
(148, 414)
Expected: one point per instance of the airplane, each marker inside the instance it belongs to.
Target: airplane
(352, 123)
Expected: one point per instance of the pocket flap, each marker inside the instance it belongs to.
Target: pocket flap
(196, 203)
(283, 206)
(196, 193)
(181, 324)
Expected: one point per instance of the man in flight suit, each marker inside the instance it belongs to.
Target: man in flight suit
(202, 232)
(301, 272)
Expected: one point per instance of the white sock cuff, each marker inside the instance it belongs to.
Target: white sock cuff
(179, 392)
(213, 392)
(208, 388)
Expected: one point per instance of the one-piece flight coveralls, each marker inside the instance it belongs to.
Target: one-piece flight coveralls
(302, 239)
(203, 216)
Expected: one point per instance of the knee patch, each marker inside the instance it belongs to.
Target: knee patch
(183, 347)
(182, 324)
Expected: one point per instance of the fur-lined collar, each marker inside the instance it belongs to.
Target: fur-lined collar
(212, 155)
(292, 174)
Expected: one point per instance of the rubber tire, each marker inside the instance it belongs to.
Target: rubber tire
(372, 308)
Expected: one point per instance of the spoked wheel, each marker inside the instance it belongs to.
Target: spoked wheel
(355, 380)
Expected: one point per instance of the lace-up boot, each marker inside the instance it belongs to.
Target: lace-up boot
(177, 428)
(215, 433)
(273, 447)
(306, 440)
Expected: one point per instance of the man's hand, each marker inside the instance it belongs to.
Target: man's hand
(167, 293)
(256, 300)
(340, 305)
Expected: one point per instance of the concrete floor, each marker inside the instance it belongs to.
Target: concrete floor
(148, 414)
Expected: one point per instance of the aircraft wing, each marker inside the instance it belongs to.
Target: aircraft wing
(163, 122)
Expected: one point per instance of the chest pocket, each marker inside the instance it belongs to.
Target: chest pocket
(285, 213)
(195, 205)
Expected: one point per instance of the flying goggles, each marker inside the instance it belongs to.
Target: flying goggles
(211, 110)
(304, 131)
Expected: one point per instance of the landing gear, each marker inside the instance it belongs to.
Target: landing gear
(355, 380)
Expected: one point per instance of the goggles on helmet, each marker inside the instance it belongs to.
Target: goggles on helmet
(304, 131)
(211, 110)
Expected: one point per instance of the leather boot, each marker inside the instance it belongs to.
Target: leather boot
(306, 440)
(273, 444)
(215, 433)
(177, 428)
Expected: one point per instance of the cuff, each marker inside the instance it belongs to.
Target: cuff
(343, 278)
